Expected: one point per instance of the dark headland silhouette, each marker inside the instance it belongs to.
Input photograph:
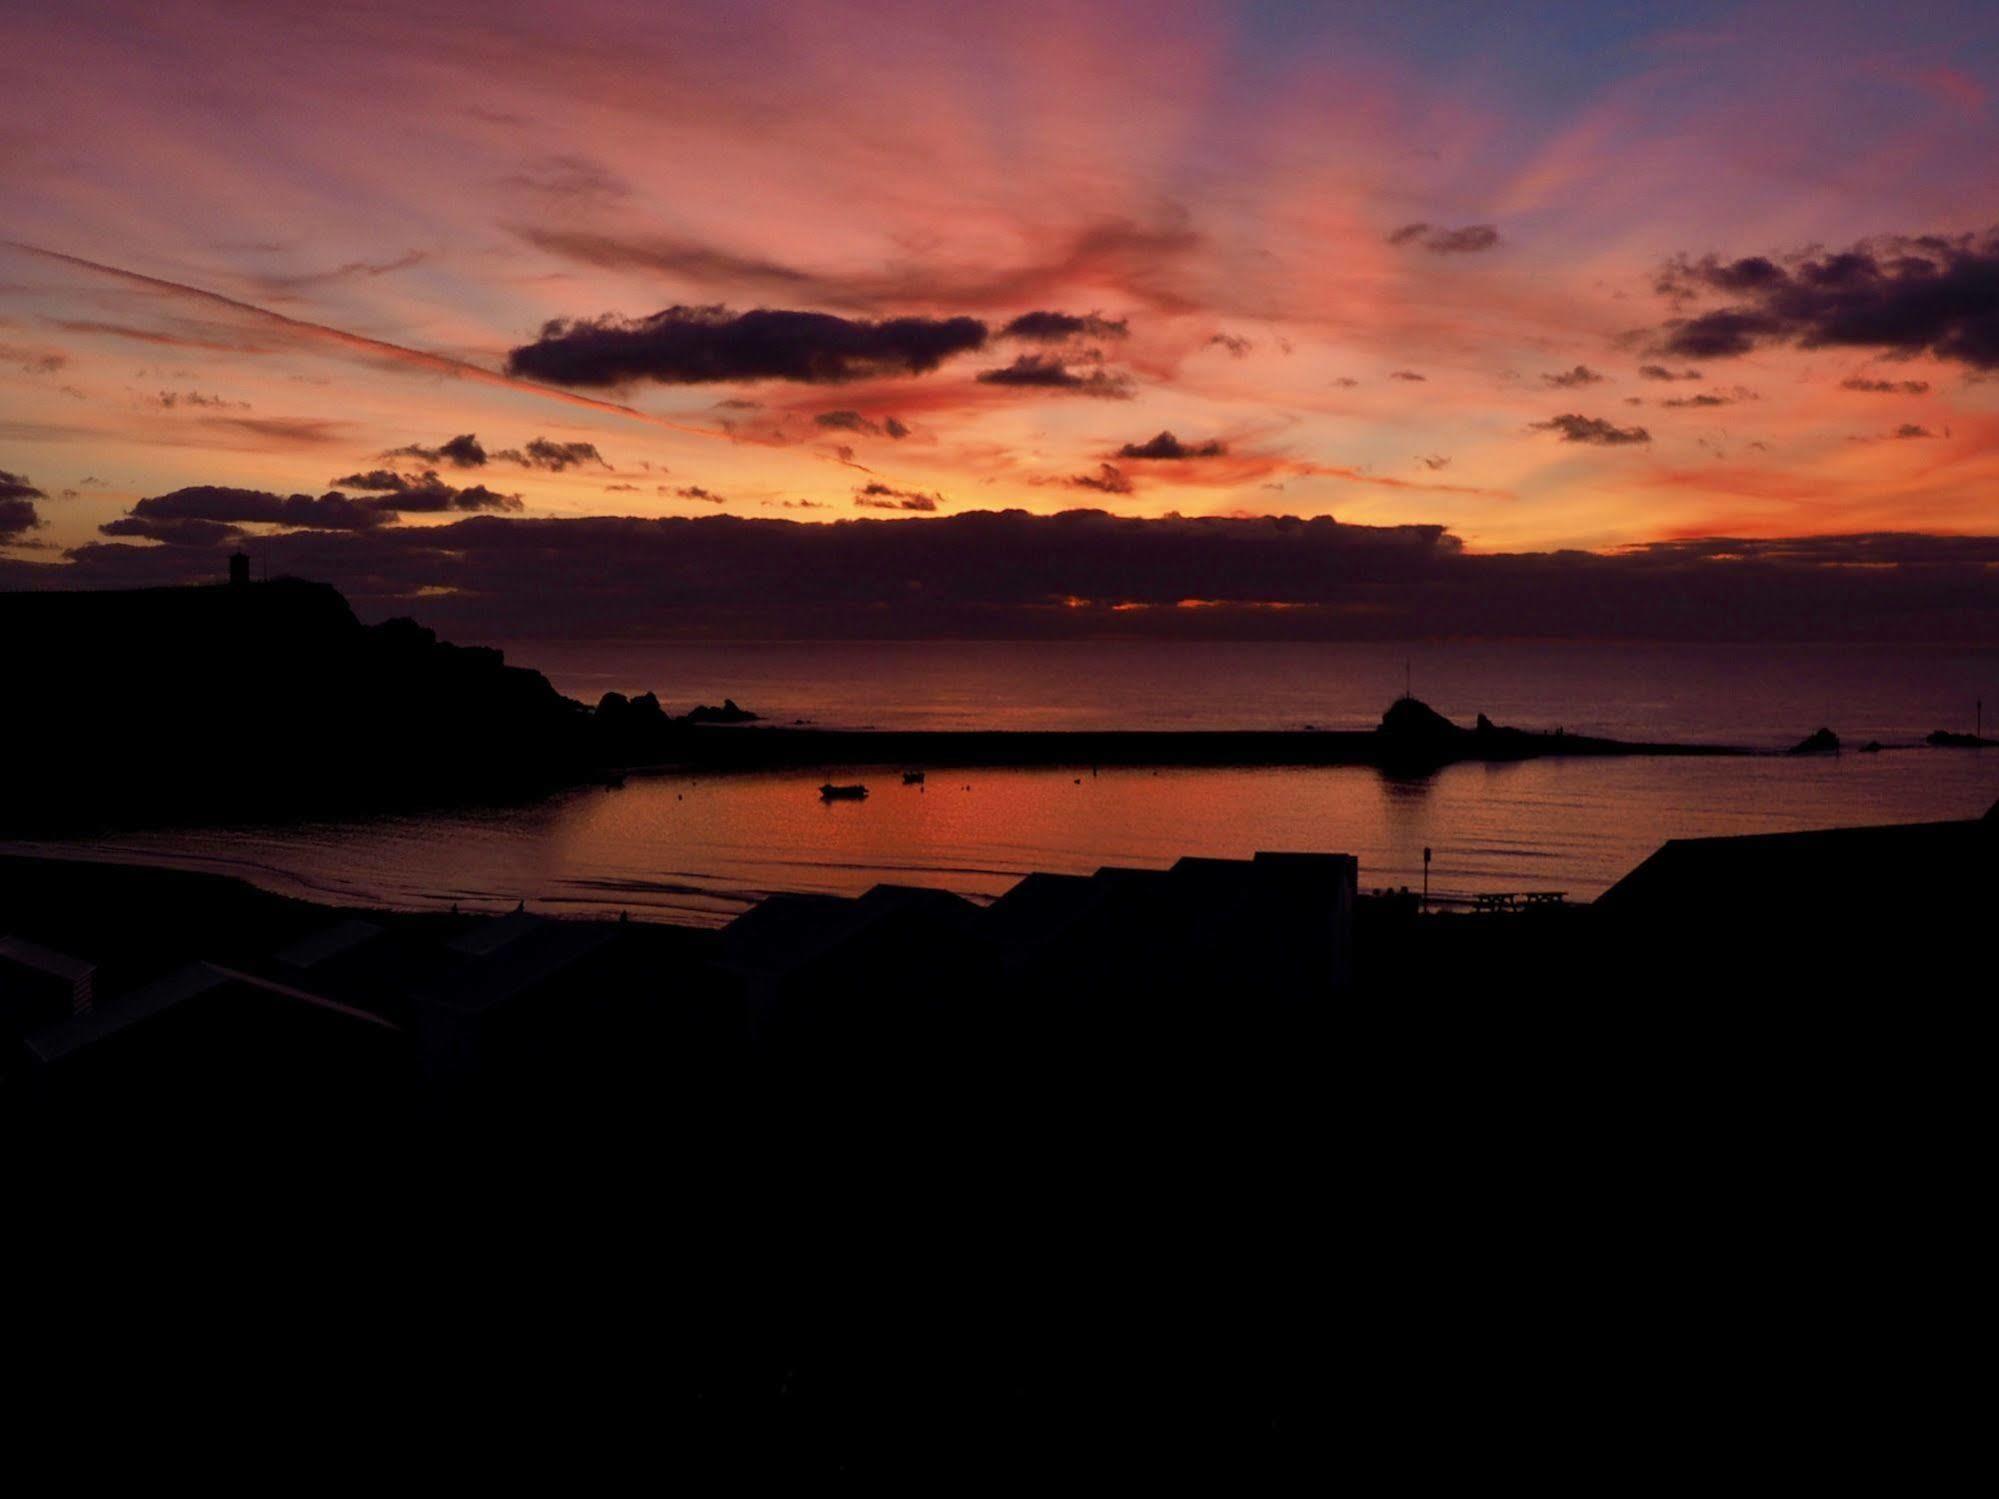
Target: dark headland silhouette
(271, 700)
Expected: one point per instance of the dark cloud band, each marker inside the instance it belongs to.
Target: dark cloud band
(1044, 372)
(1469, 240)
(1907, 294)
(1013, 575)
(699, 345)
(1054, 327)
(1168, 447)
(1595, 430)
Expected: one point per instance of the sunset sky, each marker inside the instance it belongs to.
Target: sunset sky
(1582, 276)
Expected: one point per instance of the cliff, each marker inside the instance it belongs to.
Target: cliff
(260, 700)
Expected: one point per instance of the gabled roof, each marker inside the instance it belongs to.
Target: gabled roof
(785, 932)
(1040, 908)
(45, 959)
(1779, 868)
(73, 1033)
(76, 1033)
(529, 952)
(489, 937)
(331, 942)
(1197, 906)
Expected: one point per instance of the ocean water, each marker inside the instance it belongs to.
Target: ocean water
(1760, 696)
(702, 849)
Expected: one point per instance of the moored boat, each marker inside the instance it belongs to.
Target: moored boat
(832, 793)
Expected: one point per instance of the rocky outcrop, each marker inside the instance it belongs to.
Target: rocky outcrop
(727, 713)
(1410, 720)
(638, 730)
(1821, 742)
(1413, 736)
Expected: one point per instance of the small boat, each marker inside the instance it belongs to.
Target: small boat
(831, 793)
(912, 778)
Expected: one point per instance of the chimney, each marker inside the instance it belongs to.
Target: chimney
(239, 570)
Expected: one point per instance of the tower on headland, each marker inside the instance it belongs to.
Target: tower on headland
(239, 570)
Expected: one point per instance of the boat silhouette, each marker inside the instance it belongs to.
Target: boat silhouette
(832, 793)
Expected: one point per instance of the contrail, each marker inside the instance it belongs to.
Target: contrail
(438, 364)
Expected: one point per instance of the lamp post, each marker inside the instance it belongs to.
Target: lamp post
(1426, 877)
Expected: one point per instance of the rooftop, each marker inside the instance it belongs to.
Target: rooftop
(45, 959)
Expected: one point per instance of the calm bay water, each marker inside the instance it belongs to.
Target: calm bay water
(702, 849)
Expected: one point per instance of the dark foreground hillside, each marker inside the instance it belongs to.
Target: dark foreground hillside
(1221, 1173)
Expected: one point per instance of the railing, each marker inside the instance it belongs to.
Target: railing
(1497, 902)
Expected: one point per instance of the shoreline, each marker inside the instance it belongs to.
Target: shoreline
(745, 748)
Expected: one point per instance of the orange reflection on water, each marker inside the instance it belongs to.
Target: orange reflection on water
(700, 850)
